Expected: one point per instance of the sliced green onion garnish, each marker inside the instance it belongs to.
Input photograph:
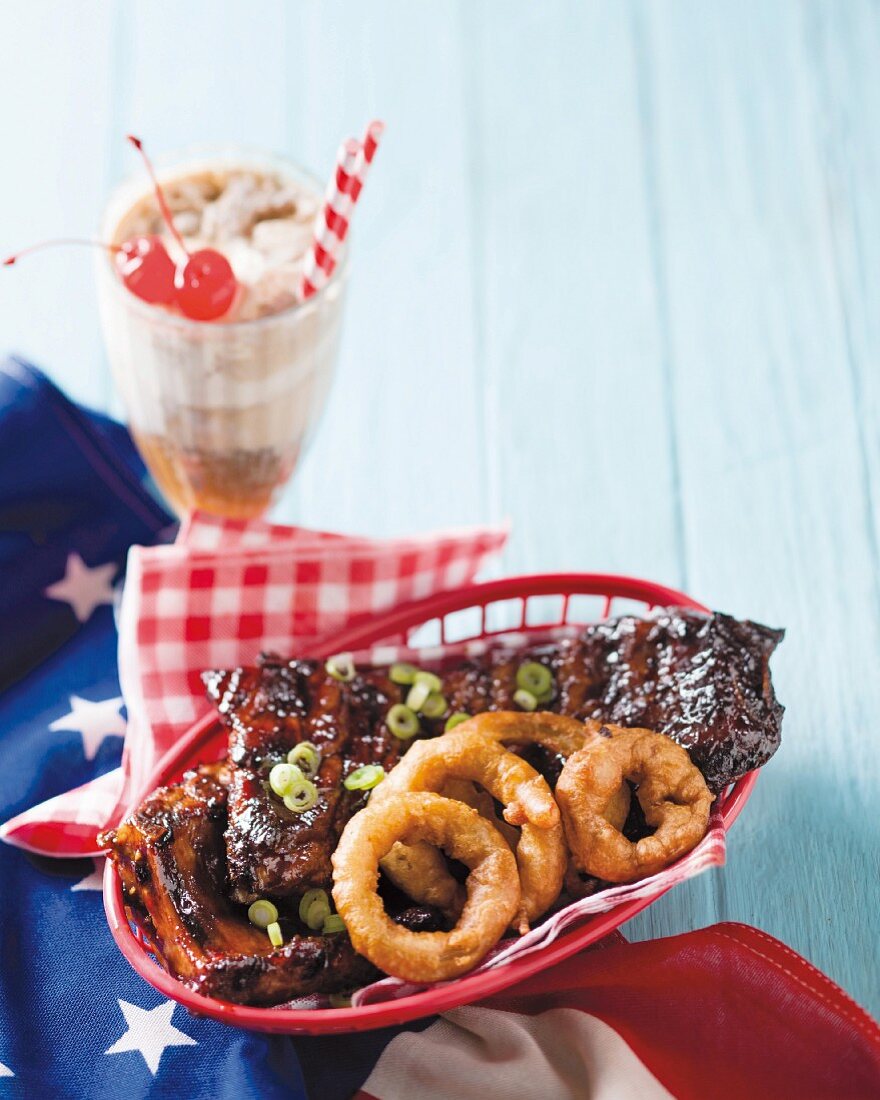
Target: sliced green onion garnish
(274, 934)
(302, 795)
(333, 923)
(525, 699)
(417, 696)
(307, 757)
(309, 898)
(455, 720)
(364, 779)
(434, 682)
(546, 696)
(403, 673)
(282, 778)
(317, 913)
(534, 678)
(262, 913)
(402, 722)
(339, 1000)
(341, 667)
(435, 706)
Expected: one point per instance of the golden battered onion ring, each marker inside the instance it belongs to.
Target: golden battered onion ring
(471, 795)
(527, 801)
(617, 810)
(558, 733)
(420, 870)
(493, 893)
(555, 732)
(508, 778)
(672, 793)
(564, 736)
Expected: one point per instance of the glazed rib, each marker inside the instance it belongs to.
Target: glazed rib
(195, 853)
(703, 680)
(172, 863)
(269, 709)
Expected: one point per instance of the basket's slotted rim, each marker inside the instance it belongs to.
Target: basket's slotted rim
(402, 627)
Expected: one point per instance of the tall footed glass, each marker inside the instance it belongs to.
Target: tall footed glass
(220, 410)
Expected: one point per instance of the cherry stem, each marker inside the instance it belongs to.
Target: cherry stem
(10, 260)
(160, 194)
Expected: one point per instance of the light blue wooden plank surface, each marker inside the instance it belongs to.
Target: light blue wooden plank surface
(617, 277)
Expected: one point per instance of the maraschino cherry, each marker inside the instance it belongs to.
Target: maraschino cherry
(143, 264)
(206, 287)
(147, 270)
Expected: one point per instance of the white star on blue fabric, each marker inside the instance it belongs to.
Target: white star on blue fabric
(5, 1071)
(82, 587)
(94, 721)
(94, 880)
(150, 1032)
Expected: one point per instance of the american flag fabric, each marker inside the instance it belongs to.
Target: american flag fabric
(722, 1012)
(185, 610)
(725, 1013)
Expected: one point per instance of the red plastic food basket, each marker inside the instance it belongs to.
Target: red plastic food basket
(523, 602)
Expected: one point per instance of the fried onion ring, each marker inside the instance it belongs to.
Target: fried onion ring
(472, 795)
(562, 735)
(670, 789)
(527, 801)
(420, 870)
(493, 892)
(555, 732)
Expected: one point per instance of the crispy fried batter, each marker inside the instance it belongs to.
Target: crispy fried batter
(420, 872)
(670, 789)
(555, 732)
(422, 868)
(558, 734)
(527, 801)
(473, 795)
(493, 893)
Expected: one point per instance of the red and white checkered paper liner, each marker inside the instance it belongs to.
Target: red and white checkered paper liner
(221, 594)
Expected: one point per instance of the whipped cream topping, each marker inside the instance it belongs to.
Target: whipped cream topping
(262, 222)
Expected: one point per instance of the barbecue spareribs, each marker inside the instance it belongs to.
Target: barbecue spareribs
(703, 680)
(193, 855)
(172, 863)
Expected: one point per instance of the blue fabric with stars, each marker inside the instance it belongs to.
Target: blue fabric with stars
(75, 1020)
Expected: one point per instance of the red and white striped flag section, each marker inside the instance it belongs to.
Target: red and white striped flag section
(725, 1013)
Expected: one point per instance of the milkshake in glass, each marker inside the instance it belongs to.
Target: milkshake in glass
(222, 409)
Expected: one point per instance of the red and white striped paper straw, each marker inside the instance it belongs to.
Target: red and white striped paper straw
(369, 145)
(352, 163)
